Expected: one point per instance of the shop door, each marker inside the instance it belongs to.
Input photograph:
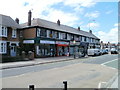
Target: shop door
(13, 50)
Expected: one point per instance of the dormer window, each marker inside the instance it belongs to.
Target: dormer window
(3, 31)
(14, 33)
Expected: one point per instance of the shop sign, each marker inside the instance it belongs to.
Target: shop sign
(28, 41)
(61, 42)
(47, 42)
(76, 43)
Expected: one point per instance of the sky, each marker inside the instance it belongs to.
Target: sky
(100, 16)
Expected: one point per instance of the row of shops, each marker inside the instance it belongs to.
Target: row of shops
(46, 48)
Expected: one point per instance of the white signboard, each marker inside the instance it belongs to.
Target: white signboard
(47, 42)
(28, 41)
(61, 42)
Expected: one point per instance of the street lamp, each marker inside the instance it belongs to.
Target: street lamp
(74, 42)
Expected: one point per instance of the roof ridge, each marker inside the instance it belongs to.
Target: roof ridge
(56, 23)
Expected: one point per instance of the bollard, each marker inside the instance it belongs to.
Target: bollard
(31, 87)
(65, 85)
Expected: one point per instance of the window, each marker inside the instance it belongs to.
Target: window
(76, 37)
(3, 47)
(80, 38)
(43, 33)
(64, 36)
(38, 32)
(83, 39)
(72, 37)
(68, 36)
(21, 33)
(14, 33)
(3, 31)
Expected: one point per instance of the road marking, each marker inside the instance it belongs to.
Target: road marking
(100, 84)
(103, 64)
(109, 61)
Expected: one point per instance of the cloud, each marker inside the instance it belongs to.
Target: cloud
(109, 12)
(65, 18)
(93, 25)
(94, 14)
(83, 3)
(111, 36)
(43, 9)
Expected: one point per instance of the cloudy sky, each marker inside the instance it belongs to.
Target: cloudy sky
(101, 16)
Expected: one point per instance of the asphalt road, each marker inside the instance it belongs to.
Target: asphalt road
(36, 68)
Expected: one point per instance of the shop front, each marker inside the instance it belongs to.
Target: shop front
(45, 48)
(84, 45)
(74, 48)
(62, 48)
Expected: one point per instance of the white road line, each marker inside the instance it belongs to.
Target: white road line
(109, 61)
(100, 84)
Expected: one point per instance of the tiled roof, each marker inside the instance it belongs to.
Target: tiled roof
(55, 26)
(8, 21)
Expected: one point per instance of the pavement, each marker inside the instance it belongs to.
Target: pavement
(36, 61)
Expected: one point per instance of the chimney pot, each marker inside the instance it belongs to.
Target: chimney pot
(58, 22)
(29, 17)
(79, 28)
(17, 20)
(90, 31)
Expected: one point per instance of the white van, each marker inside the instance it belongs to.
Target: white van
(93, 52)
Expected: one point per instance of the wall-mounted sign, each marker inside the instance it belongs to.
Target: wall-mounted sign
(47, 42)
(62, 42)
(74, 43)
(28, 41)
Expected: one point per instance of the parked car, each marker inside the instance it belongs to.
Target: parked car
(101, 51)
(93, 52)
(105, 51)
(114, 51)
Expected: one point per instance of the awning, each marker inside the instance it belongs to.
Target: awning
(62, 45)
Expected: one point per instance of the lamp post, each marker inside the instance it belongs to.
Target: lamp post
(74, 42)
(89, 23)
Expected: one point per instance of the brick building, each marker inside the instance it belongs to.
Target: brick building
(47, 38)
(9, 36)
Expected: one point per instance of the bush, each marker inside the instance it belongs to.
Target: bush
(11, 59)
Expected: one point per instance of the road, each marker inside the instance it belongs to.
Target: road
(36, 68)
(80, 73)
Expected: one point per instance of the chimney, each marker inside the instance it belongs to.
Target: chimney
(17, 20)
(58, 22)
(79, 28)
(90, 31)
(29, 17)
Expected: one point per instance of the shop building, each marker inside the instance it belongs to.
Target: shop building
(9, 36)
(47, 38)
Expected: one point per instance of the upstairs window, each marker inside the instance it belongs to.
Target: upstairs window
(38, 32)
(43, 33)
(21, 33)
(14, 33)
(3, 31)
